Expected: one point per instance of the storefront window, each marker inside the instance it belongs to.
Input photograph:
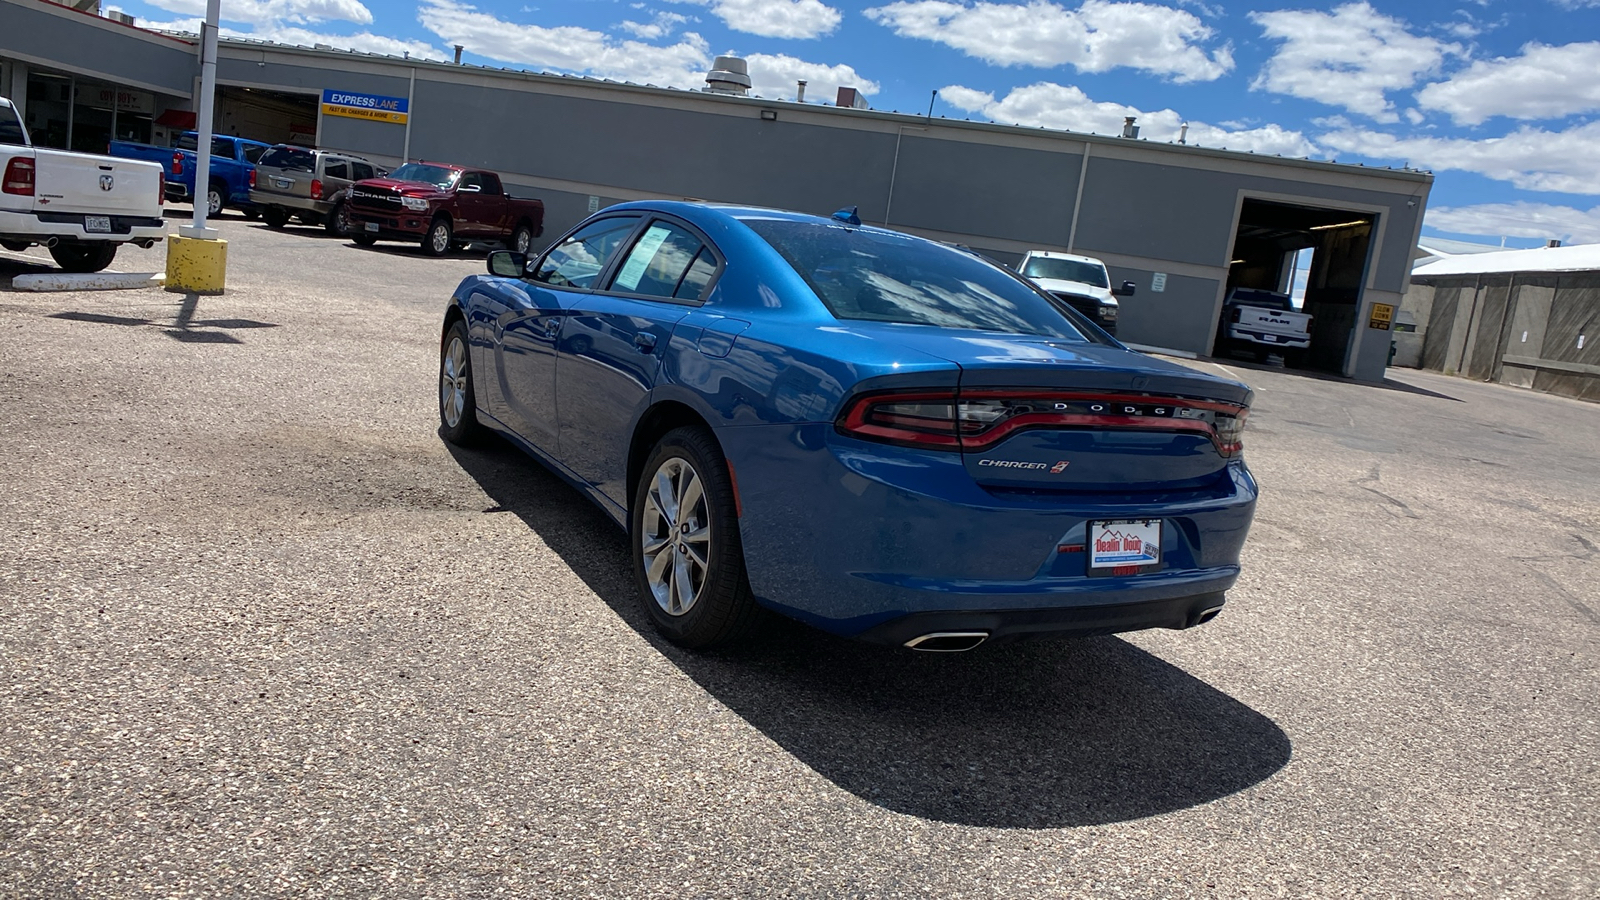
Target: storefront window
(49, 109)
(84, 115)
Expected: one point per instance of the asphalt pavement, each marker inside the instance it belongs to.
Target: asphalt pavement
(264, 634)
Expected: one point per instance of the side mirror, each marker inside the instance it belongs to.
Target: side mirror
(1126, 290)
(507, 263)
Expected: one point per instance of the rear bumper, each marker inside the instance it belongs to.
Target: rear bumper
(852, 537)
(39, 227)
(1007, 625)
(290, 201)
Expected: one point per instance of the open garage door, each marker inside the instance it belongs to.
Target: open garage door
(1270, 236)
(273, 117)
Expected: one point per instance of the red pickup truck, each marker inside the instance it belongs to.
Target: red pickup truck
(442, 207)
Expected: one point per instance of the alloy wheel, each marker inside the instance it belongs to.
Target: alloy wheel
(440, 237)
(213, 202)
(676, 536)
(453, 382)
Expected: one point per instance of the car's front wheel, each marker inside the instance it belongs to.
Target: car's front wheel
(275, 216)
(458, 405)
(439, 237)
(688, 558)
(84, 256)
(338, 221)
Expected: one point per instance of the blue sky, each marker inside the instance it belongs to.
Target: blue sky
(1500, 99)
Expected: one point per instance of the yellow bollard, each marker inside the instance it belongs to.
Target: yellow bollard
(196, 265)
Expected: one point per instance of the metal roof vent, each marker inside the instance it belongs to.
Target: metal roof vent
(728, 75)
(1130, 130)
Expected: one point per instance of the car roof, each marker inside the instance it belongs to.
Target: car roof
(702, 213)
(1051, 254)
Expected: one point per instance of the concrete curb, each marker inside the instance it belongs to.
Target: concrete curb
(88, 281)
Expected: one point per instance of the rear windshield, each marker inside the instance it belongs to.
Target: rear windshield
(290, 158)
(1066, 270)
(438, 176)
(884, 276)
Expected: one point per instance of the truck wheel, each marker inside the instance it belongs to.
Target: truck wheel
(338, 221)
(216, 195)
(363, 240)
(521, 239)
(251, 212)
(275, 216)
(84, 256)
(437, 241)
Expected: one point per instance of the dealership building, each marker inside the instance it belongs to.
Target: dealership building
(1183, 223)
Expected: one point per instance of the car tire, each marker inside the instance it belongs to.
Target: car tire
(337, 222)
(275, 216)
(251, 212)
(695, 550)
(521, 239)
(440, 236)
(84, 256)
(216, 198)
(458, 410)
(363, 240)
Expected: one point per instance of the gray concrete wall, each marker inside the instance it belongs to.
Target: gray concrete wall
(59, 38)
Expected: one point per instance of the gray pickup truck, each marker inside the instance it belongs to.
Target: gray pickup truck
(308, 185)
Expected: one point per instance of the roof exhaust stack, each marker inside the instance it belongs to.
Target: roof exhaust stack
(728, 75)
(1129, 130)
(1183, 133)
(800, 95)
(459, 48)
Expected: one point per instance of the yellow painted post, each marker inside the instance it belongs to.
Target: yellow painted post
(196, 265)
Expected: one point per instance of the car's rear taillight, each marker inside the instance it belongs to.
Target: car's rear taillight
(252, 179)
(177, 163)
(978, 420)
(161, 189)
(18, 177)
(316, 189)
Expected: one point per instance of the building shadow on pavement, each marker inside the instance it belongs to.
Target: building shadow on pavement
(1033, 735)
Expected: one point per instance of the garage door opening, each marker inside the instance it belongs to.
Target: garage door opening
(1270, 238)
(274, 117)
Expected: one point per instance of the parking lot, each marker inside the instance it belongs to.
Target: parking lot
(263, 633)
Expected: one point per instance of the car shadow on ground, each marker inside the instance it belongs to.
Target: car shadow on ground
(1033, 735)
(472, 251)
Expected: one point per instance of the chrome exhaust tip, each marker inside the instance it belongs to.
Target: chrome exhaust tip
(1207, 614)
(947, 641)
(47, 243)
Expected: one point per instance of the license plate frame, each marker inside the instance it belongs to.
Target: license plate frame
(1133, 558)
(97, 224)
(283, 183)
(371, 226)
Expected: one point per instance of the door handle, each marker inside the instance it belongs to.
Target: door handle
(645, 341)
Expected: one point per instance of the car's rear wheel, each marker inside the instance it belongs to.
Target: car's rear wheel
(364, 240)
(275, 216)
(439, 237)
(216, 196)
(458, 405)
(338, 221)
(84, 256)
(521, 238)
(688, 559)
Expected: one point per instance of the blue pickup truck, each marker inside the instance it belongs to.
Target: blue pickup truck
(233, 166)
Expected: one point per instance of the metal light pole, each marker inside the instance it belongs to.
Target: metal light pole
(208, 90)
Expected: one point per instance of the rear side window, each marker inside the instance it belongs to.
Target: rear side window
(11, 128)
(577, 261)
(221, 148)
(885, 276)
(252, 153)
(660, 262)
(291, 158)
(337, 168)
(362, 171)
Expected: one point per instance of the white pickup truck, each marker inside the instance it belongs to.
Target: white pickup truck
(79, 206)
(1256, 322)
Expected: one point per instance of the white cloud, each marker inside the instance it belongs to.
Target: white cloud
(1543, 83)
(1348, 58)
(662, 25)
(775, 76)
(1521, 219)
(364, 42)
(568, 48)
(1098, 36)
(774, 18)
(1068, 108)
(275, 12)
(1530, 158)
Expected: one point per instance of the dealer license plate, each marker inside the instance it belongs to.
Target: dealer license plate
(372, 226)
(1124, 547)
(97, 224)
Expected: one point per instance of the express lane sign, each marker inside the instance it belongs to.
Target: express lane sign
(372, 107)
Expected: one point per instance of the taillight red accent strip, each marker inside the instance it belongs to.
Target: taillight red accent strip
(19, 177)
(941, 434)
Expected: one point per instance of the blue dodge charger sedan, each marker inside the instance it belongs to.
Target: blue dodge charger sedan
(880, 435)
